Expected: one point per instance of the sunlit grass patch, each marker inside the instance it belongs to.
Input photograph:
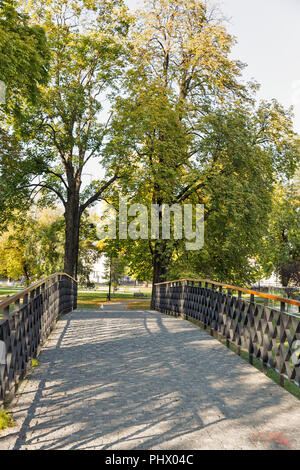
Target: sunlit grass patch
(6, 420)
(94, 299)
(34, 362)
(140, 305)
(7, 292)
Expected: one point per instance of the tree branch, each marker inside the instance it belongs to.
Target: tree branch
(182, 193)
(47, 186)
(97, 194)
(58, 176)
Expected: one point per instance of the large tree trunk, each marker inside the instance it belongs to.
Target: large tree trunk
(72, 218)
(26, 275)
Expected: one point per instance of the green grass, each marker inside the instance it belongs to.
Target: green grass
(34, 362)
(6, 420)
(140, 305)
(94, 299)
(6, 291)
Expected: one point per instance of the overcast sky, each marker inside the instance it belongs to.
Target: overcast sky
(268, 34)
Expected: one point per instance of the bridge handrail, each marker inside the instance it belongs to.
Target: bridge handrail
(13, 298)
(268, 334)
(234, 288)
(25, 327)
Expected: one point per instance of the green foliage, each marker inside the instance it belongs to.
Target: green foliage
(88, 250)
(32, 247)
(24, 64)
(66, 129)
(115, 262)
(114, 269)
(281, 243)
(237, 197)
(10, 157)
(6, 420)
(24, 56)
(183, 128)
(192, 133)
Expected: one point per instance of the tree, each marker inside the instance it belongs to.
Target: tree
(24, 63)
(281, 243)
(33, 246)
(64, 133)
(114, 263)
(89, 252)
(114, 270)
(193, 134)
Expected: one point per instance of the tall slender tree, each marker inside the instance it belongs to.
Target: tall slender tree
(66, 132)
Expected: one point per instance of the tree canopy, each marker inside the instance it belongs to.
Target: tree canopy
(193, 133)
(24, 56)
(32, 246)
(158, 103)
(64, 131)
(281, 240)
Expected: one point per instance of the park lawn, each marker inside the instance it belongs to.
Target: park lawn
(95, 299)
(5, 292)
(140, 305)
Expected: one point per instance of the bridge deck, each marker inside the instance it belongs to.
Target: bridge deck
(119, 379)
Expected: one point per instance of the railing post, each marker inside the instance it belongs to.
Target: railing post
(282, 328)
(6, 312)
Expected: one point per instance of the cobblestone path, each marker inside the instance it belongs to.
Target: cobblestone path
(120, 379)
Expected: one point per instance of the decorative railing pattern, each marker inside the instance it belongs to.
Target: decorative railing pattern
(26, 322)
(269, 334)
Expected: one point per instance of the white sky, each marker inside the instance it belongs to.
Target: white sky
(268, 35)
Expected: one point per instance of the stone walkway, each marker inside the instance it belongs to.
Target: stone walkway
(120, 379)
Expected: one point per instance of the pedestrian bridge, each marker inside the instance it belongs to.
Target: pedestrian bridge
(120, 379)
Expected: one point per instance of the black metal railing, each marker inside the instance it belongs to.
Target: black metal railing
(26, 321)
(242, 317)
